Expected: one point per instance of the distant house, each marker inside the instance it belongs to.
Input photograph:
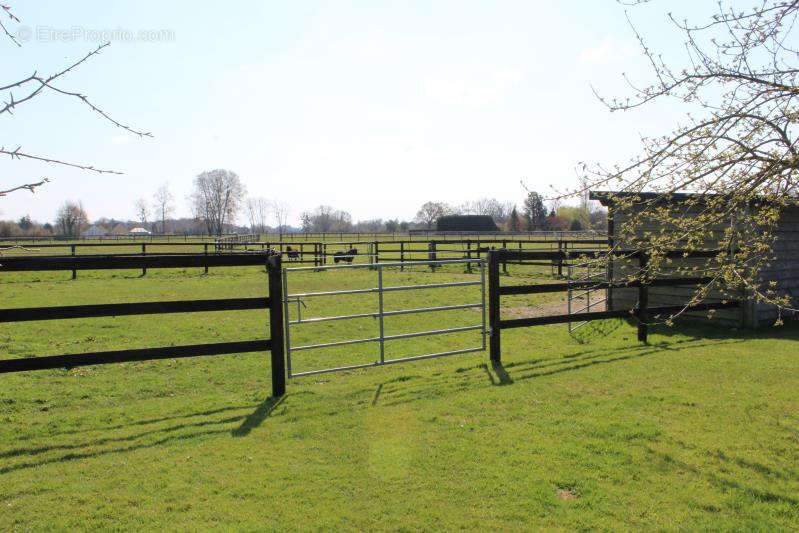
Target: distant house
(139, 231)
(119, 229)
(94, 231)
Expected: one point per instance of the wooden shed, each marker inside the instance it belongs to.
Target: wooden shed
(466, 223)
(783, 269)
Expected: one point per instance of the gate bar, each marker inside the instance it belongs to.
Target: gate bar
(483, 296)
(393, 264)
(387, 362)
(388, 337)
(380, 311)
(385, 289)
(288, 322)
(431, 286)
(389, 313)
(331, 344)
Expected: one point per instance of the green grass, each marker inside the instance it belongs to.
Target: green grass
(698, 430)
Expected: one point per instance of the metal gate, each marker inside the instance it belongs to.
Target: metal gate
(590, 277)
(381, 314)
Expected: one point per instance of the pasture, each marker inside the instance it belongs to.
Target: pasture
(698, 429)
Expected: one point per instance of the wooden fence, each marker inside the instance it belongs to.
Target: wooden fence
(320, 253)
(640, 313)
(273, 303)
(175, 238)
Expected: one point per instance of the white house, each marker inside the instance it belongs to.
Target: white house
(94, 231)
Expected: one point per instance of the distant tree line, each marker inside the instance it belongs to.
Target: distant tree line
(218, 199)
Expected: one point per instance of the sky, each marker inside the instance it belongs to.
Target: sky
(369, 107)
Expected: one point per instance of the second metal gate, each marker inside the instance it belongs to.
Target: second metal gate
(381, 313)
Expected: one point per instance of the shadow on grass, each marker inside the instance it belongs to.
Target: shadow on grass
(254, 419)
(502, 377)
(593, 358)
(92, 454)
(586, 358)
(185, 432)
(759, 468)
(723, 483)
(696, 331)
(440, 384)
(14, 452)
(377, 394)
(153, 420)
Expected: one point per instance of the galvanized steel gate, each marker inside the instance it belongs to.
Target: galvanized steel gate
(380, 313)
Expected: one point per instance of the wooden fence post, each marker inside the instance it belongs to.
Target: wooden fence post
(493, 307)
(74, 272)
(643, 300)
(206, 261)
(431, 254)
(504, 263)
(273, 267)
(469, 256)
(402, 256)
(144, 252)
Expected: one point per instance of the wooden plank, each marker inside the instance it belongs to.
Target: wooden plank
(121, 262)
(643, 302)
(561, 287)
(141, 354)
(276, 333)
(138, 308)
(494, 323)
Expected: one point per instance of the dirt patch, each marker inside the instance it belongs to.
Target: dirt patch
(568, 494)
(549, 309)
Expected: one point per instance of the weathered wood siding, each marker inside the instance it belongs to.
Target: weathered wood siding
(784, 270)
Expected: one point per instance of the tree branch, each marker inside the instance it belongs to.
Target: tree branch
(27, 187)
(16, 154)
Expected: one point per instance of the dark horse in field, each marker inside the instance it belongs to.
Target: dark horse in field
(347, 256)
(293, 255)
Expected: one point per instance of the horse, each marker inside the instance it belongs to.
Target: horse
(347, 256)
(293, 255)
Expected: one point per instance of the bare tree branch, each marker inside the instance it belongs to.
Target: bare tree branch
(16, 154)
(27, 187)
(47, 83)
(8, 12)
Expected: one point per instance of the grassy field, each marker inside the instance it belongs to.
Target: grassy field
(698, 430)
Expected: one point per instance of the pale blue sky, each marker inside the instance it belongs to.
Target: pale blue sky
(371, 107)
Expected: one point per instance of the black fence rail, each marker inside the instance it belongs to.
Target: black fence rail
(641, 312)
(410, 251)
(131, 239)
(273, 302)
(175, 238)
(314, 253)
